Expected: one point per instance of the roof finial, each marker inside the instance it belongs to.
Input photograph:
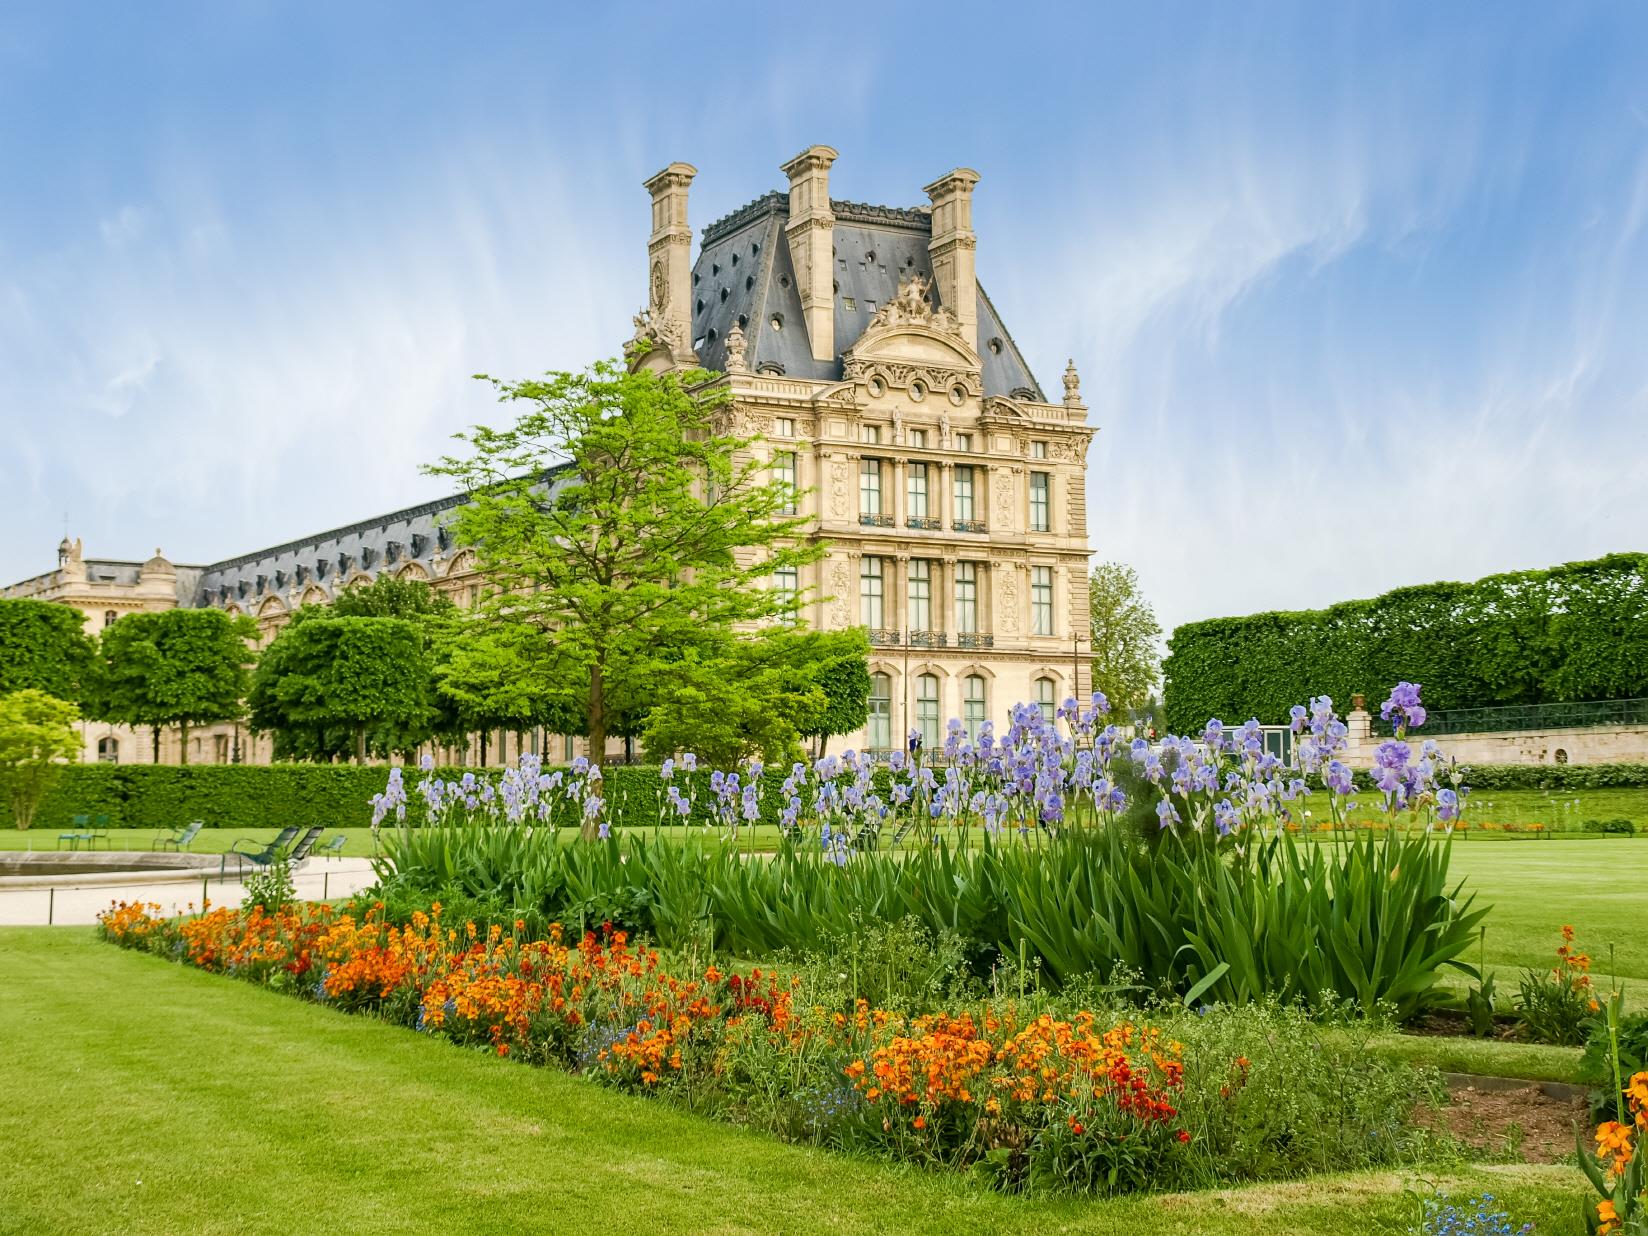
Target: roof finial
(1072, 385)
(735, 362)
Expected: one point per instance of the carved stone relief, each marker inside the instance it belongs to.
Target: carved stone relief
(838, 490)
(840, 605)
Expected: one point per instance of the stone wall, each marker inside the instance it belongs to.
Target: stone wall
(1597, 744)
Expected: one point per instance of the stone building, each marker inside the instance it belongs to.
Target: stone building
(860, 348)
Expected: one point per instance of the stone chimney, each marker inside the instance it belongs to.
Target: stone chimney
(669, 258)
(955, 276)
(811, 233)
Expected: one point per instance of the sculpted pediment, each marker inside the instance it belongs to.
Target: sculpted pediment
(908, 340)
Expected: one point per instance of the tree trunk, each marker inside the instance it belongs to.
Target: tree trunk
(154, 731)
(483, 748)
(597, 715)
(183, 742)
(360, 744)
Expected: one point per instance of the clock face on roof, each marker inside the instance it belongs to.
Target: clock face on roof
(659, 291)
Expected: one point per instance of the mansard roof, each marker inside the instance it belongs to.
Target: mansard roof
(744, 274)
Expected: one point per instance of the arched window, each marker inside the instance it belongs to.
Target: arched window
(927, 709)
(972, 703)
(108, 750)
(878, 730)
(1046, 693)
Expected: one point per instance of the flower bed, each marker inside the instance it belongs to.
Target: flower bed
(1024, 1093)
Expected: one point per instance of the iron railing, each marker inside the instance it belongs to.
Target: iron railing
(925, 523)
(975, 639)
(927, 639)
(884, 639)
(1577, 714)
(875, 521)
(970, 525)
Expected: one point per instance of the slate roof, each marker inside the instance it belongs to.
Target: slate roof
(744, 274)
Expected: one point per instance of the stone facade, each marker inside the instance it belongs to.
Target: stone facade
(862, 353)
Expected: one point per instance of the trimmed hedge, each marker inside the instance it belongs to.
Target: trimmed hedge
(339, 795)
(332, 795)
(1572, 632)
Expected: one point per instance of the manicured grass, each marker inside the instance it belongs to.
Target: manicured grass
(148, 1097)
(1534, 1061)
(1600, 888)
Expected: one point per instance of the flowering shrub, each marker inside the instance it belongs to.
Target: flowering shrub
(1618, 1168)
(1558, 1005)
(1029, 1095)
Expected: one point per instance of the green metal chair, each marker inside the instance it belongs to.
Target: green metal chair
(82, 832)
(100, 823)
(334, 847)
(181, 839)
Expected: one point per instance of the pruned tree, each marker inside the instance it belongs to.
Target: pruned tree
(44, 645)
(181, 667)
(323, 675)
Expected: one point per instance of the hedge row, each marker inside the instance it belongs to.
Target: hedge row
(331, 795)
(339, 796)
(1572, 632)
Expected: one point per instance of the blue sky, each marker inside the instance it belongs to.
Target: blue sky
(1359, 295)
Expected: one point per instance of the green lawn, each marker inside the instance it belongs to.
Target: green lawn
(209, 840)
(148, 1097)
(1598, 887)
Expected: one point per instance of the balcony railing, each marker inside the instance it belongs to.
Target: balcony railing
(975, 639)
(927, 639)
(925, 523)
(970, 525)
(884, 639)
(876, 521)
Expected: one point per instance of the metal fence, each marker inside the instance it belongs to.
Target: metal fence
(1576, 715)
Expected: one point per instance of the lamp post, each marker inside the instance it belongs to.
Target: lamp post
(1076, 639)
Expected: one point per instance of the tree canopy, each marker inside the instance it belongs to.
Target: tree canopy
(324, 676)
(44, 645)
(37, 736)
(625, 534)
(1126, 662)
(180, 667)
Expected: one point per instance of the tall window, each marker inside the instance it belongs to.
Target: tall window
(918, 491)
(870, 593)
(964, 491)
(879, 727)
(1038, 450)
(1045, 691)
(783, 473)
(787, 582)
(927, 709)
(1041, 600)
(1039, 504)
(966, 597)
(972, 703)
(869, 487)
(108, 617)
(108, 750)
(921, 594)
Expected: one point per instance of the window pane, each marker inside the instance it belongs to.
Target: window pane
(869, 487)
(967, 597)
(921, 594)
(964, 491)
(870, 593)
(1039, 506)
(1041, 600)
(972, 707)
(918, 491)
(927, 709)
(879, 728)
(783, 472)
(1044, 697)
